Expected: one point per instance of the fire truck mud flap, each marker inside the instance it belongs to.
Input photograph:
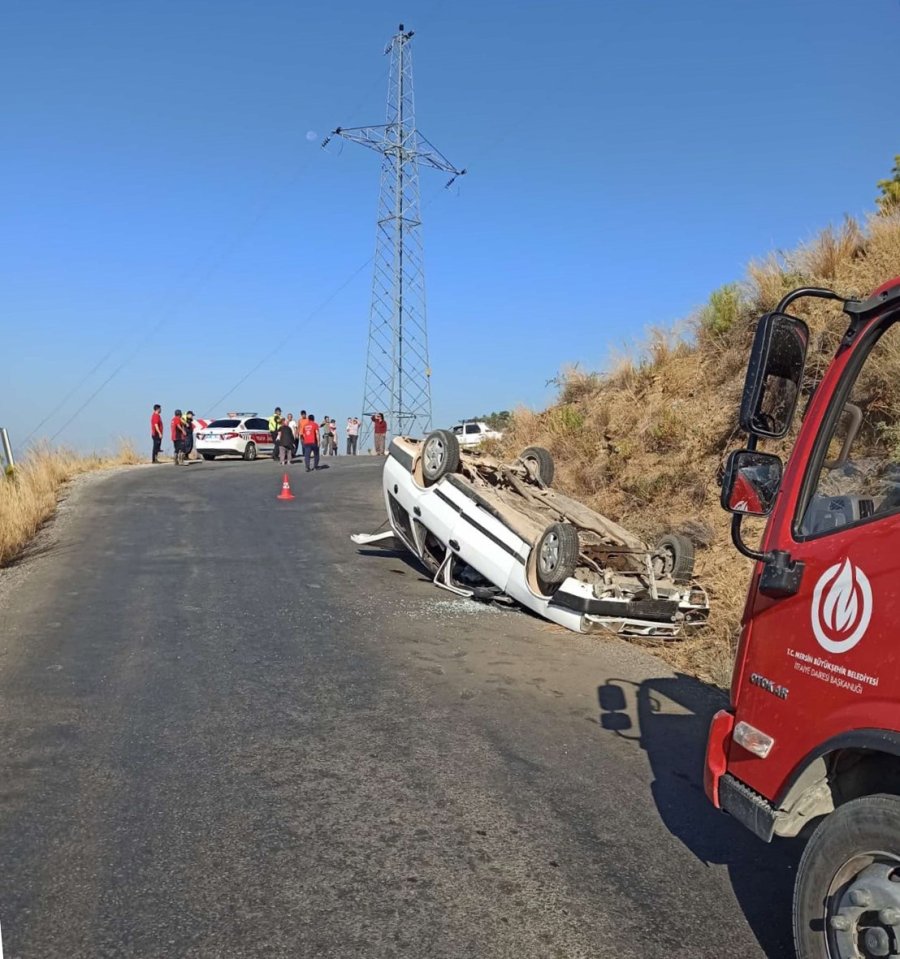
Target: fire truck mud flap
(749, 808)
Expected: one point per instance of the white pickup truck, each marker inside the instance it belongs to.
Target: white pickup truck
(472, 432)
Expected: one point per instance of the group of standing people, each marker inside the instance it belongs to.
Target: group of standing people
(181, 429)
(289, 436)
(292, 436)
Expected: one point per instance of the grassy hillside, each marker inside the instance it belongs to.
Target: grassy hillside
(643, 443)
(29, 496)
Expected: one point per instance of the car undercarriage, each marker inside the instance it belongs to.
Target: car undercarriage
(496, 530)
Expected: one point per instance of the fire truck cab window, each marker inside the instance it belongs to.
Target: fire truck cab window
(859, 478)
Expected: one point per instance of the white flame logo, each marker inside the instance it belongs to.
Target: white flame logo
(841, 607)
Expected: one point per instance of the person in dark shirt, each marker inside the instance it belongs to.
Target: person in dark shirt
(285, 443)
(188, 434)
(380, 430)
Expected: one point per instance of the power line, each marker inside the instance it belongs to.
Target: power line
(316, 310)
(229, 249)
(226, 252)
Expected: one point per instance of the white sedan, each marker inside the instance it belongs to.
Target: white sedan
(246, 435)
(487, 529)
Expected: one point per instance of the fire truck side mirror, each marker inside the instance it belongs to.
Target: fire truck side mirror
(774, 375)
(751, 483)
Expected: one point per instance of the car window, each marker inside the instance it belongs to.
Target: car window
(457, 430)
(473, 428)
(257, 424)
(223, 424)
(858, 462)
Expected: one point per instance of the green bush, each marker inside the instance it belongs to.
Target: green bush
(567, 419)
(889, 201)
(723, 310)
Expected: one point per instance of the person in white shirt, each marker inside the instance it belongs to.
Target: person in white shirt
(352, 435)
(295, 429)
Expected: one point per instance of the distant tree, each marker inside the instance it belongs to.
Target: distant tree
(889, 201)
(499, 420)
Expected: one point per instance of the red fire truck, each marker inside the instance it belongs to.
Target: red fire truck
(811, 743)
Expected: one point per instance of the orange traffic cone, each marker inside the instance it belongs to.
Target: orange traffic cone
(285, 489)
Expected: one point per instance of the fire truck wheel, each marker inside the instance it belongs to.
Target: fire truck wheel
(673, 558)
(557, 555)
(847, 897)
(539, 462)
(440, 455)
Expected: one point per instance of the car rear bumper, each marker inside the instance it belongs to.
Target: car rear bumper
(221, 449)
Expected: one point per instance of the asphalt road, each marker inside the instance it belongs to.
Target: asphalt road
(229, 733)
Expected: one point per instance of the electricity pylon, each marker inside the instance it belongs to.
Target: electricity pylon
(398, 372)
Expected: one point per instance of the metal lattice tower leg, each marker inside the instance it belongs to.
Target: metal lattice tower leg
(398, 373)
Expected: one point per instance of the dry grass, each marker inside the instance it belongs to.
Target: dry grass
(830, 256)
(29, 497)
(643, 442)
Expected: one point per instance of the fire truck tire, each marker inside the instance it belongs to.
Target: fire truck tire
(557, 555)
(858, 837)
(250, 451)
(440, 455)
(540, 461)
(673, 558)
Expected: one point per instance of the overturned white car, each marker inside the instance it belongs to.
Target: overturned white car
(487, 530)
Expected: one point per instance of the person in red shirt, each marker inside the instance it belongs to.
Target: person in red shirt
(179, 431)
(156, 431)
(309, 436)
(381, 429)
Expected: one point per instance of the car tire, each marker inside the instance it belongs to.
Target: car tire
(539, 463)
(250, 451)
(440, 456)
(862, 835)
(208, 456)
(557, 554)
(673, 558)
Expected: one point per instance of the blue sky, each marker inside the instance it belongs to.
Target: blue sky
(166, 221)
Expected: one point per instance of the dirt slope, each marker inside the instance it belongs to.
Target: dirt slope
(643, 443)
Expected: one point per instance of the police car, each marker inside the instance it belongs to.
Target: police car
(245, 434)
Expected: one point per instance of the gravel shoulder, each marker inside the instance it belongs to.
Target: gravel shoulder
(54, 530)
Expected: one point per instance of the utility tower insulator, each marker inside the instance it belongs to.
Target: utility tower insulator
(398, 371)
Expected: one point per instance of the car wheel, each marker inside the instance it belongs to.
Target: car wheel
(250, 451)
(208, 456)
(539, 463)
(673, 558)
(557, 555)
(440, 456)
(846, 897)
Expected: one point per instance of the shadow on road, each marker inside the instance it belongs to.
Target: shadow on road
(669, 717)
(34, 549)
(400, 553)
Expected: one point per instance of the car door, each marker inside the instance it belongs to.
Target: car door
(473, 431)
(819, 661)
(483, 541)
(259, 432)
